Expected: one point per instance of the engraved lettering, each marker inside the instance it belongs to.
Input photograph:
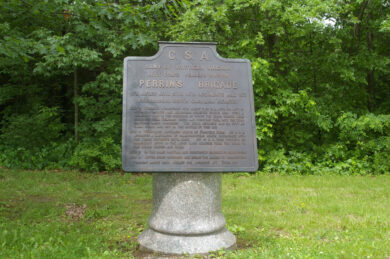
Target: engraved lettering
(188, 110)
(204, 56)
(188, 54)
(155, 83)
(222, 68)
(179, 83)
(152, 66)
(171, 55)
(218, 84)
(160, 83)
(148, 83)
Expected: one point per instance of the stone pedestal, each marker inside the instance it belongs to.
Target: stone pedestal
(187, 216)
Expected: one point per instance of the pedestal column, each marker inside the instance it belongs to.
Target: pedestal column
(187, 216)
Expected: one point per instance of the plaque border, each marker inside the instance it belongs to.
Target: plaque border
(184, 169)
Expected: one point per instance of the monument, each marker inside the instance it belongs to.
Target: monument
(188, 115)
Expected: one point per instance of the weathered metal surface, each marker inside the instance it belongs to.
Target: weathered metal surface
(186, 109)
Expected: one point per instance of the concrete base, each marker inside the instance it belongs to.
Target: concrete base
(187, 216)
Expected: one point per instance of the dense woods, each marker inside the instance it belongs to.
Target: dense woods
(321, 72)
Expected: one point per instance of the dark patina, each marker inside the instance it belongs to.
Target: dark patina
(186, 109)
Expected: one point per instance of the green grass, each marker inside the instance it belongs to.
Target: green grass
(80, 215)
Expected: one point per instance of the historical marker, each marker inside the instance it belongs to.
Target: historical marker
(186, 109)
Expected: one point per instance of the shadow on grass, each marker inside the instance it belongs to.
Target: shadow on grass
(138, 254)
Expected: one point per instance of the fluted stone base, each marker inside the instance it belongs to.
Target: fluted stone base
(153, 241)
(187, 216)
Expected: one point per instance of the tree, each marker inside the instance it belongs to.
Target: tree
(313, 63)
(320, 71)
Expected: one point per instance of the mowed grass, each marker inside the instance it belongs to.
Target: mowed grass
(80, 215)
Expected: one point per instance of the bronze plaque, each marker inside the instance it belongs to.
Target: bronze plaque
(186, 109)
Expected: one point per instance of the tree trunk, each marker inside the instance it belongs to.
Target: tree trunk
(313, 64)
(357, 26)
(370, 75)
(76, 106)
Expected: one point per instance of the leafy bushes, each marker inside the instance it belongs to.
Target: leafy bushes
(320, 72)
(104, 155)
(34, 140)
(361, 146)
(367, 139)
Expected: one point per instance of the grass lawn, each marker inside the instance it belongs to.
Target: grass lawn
(79, 215)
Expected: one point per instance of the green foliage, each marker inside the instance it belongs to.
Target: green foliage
(67, 57)
(43, 124)
(320, 70)
(101, 156)
(34, 140)
(366, 140)
(101, 106)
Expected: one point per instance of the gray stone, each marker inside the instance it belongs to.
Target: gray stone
(187, 216)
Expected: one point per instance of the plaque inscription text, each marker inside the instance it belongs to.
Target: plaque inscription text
(186, 109)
